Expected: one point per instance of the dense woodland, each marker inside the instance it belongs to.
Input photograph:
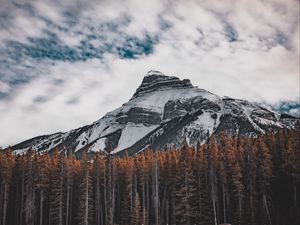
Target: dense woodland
(237, 180)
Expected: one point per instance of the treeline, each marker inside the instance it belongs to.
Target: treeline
(241, 181)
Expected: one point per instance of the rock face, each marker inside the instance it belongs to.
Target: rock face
(156, 81)
(163, 111)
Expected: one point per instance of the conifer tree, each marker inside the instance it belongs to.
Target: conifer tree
(86, 210)
(127, 201)
(291, 168)
(7, 162)
(99, 168)
(19, 183)
(70, 170)
(57, 195)
(264, 173)
(213, 155)
(110, 178)
(185, 189)
(143, 180)
(30, 194)
(42, 183)
(136, 218)
(204, 215)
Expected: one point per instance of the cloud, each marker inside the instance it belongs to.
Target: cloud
(290, 107)
(64, 64)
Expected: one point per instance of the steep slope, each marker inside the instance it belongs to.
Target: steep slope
(163, 111)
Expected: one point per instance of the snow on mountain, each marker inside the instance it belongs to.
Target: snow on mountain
(163, 111)
(98, 146)
(130, 134)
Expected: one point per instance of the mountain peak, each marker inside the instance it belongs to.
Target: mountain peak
(156, 80)
(154, 73)
(163, 110)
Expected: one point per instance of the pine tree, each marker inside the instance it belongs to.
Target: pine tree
(99, 167)
(7, 162)
(250, 180)
(57, 198)
(109, 189)
(85, 211)
(236, 178)
(136, 215)
(156, 188)
(204, 215)
(127, 201)
(213, 155)
(69, 173)
(264, 173)
(185, 189)
(291, 168)
(142, 172)
(30, 194)
(226, 152)
(42, 183)
(19, 182)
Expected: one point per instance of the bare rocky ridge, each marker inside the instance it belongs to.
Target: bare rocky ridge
(163, 111)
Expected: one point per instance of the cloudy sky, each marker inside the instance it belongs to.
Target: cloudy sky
(64, 65)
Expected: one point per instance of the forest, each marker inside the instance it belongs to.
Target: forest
(228, 180)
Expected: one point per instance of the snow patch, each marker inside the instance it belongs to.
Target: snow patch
(131, 134)
(82, 141)
(20, 151)
(204, 123)
(98, 146)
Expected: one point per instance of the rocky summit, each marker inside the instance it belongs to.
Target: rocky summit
(163, 111)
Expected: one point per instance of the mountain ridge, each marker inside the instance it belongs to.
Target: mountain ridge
(162, 111)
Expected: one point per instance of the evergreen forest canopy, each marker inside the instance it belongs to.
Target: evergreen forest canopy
(240, 181)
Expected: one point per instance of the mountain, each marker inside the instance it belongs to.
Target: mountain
(163, 111)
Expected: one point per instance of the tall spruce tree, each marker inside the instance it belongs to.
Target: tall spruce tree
(85, 210)
(7, 162)
(185, 193)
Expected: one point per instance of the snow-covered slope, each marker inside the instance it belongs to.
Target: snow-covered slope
(163, 111)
